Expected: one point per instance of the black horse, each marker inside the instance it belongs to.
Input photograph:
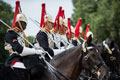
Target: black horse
(110, 53)
(67, 65)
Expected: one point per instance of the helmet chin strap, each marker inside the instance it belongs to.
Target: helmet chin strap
(26, 43)
(20, 26)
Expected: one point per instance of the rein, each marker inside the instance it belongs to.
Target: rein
(53, 70)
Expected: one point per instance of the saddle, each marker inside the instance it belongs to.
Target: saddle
(35, 65)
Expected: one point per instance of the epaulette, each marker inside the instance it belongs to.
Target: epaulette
(10, 30)
(13, 30)
(46, 29)
(54, 31)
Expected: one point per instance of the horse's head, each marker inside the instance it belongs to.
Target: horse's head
(111, 53)
(93, 61)
(111, 46)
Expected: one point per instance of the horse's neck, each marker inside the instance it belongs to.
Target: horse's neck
(69, 63)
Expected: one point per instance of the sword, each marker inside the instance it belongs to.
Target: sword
(34, 21)
(23, 37)
(15, 32)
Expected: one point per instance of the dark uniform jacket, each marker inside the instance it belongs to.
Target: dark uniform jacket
(11, 38)
(43, 42)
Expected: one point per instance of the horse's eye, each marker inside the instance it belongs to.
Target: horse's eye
(91, 49)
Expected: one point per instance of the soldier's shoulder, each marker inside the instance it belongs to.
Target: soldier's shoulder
(10, 31)
(42, 33)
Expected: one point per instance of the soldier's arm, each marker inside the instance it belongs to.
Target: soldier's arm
(11, 38)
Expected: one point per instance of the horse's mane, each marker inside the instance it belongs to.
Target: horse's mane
(63, 53)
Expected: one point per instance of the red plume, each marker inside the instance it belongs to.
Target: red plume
(62, 14)
(69, 33)
(63, 17)
(42, 15)
(17, 10)
(87, 29)
(57, 18)
(77, 27)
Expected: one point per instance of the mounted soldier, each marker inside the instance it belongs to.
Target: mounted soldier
(77, 33)
(18, 47)
(42, 37)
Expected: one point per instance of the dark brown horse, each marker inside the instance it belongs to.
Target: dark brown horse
(110, 53)
(69, 64)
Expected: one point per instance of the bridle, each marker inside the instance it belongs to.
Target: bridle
(112, 58)
(94, 68)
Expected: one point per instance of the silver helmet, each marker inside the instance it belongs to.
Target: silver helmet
(21, 17)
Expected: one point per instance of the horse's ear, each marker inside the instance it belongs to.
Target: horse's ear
(96, 41)
(112, 44)
(89, 40)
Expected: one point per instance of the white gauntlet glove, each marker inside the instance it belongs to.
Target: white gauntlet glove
(30, 51)
(40, 52)
(7, 46)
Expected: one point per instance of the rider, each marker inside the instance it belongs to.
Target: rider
(43, 38)
(17, 47)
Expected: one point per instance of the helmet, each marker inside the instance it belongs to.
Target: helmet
(80, 30)
(21, 22)
(89, 33)
(72, 29)
(48, 17)
(60, 20)
(65, 22)
(21, 17)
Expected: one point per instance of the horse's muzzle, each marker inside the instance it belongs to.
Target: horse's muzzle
(103, 73)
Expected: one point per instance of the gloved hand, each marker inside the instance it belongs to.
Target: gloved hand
(7, 46)
(40, 52)
(30, 51)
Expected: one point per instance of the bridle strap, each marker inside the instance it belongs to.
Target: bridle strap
(107, 47)
(88, 60)
(101, 64)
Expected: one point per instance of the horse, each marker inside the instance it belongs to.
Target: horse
(110, 53)
(6, 73)
(69, 64)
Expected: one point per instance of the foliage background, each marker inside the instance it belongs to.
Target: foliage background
(6, 15)
(102, 15)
